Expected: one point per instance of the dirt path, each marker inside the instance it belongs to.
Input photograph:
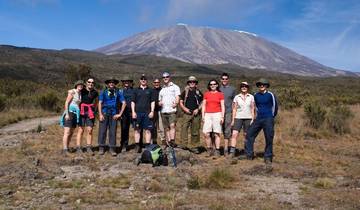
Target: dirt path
(11, 135)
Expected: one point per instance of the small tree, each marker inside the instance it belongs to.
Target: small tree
(338, 119)
(48, 101)
(77, 72)
(315, 114)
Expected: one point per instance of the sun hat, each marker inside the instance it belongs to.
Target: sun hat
(262, 81)
(192, 79)
(79, 82)
(112, 79)
(244, 84)
(127, 79)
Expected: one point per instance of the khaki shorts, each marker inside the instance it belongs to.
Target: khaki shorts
(168, 119)
(212, 122)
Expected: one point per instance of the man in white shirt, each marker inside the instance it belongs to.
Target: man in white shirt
(168, 100)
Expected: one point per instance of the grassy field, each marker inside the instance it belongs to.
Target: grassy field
(319, 171)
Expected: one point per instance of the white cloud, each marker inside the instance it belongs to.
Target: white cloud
(327, 31)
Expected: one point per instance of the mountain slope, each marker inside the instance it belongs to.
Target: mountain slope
(204, 45)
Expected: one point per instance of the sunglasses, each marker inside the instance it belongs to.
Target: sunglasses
(213, 84)
(91, 82)
(192, 82)
(156, 82)
(166, 77)
(224, 78)
(244, 86)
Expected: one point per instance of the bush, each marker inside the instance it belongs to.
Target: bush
(48, 101)
(338, 119)
(315, 114)
(291, 97)
(219, 179)
(2, 103)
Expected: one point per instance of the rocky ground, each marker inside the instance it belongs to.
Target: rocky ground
(306, 174)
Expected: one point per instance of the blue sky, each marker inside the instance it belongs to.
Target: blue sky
(327, 31)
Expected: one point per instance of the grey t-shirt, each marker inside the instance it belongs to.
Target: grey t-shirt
(229, 94)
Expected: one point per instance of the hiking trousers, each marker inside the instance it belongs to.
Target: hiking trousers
(267, 125)
(194, 123)
(126, 120)
(107, 124)
(158, 128)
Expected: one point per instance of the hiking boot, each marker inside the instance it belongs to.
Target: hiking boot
(137, 148)
(172, 143)
(89, 150)
(101, 151)
(268, 161)
(65, 152)
(209, 152)
(217, 154)
(78, 150)
(112, 152)
(245, 157)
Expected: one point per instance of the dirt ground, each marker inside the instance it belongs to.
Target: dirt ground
(307, 173)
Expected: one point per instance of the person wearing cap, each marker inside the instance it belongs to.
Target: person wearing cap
(126, 118)
(142, 109)
(110, 101)
(157, 121)
(243, 114)
(190, 103)
(266, 111)
(229, 94)
(71, 116)
(168, 100)
(89, 101)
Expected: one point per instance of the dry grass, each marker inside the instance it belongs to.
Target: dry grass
(15, 115)
(308, 172)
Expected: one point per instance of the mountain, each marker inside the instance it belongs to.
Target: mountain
(205, 45)
(49, 66)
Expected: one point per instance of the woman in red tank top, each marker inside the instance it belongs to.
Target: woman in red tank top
(213, 110)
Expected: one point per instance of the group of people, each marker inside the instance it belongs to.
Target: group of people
(152, 111)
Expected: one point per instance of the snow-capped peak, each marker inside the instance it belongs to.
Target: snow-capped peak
(181, 24)
(245, 32)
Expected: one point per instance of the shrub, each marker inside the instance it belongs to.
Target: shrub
(194, 183)
(219, 179)
(48, 101)
(338, 119)
(315, 114)
(291, 97)
(2, 103)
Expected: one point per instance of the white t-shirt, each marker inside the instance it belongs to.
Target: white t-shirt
(167, 96)
(243, 105)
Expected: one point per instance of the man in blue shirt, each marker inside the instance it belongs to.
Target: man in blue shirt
(110, 100)
(266, 111)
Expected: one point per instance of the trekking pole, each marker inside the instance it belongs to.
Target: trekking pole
(172, 154)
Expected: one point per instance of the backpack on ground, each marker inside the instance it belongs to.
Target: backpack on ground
(153, 154)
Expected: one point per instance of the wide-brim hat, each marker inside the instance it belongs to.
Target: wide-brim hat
(263, 81)
(79, 82)
(192, 79)
(244, 84)
(112, 79)
(127, 78)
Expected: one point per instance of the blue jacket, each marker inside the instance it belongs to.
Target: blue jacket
(111, 101)
(266, 105)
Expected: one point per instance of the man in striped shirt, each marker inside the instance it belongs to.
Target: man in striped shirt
(266, 111)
